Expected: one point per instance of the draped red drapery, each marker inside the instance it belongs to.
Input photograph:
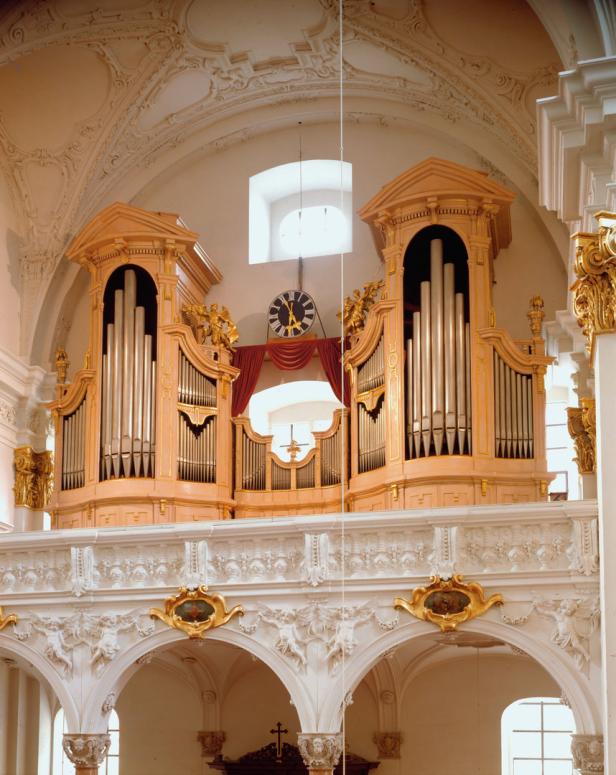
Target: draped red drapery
(287, 356)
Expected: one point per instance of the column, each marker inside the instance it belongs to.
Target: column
(86, 752)
(320, 751)
(587, 753)
(594, 303)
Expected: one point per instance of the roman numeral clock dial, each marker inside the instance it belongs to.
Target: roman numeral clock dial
(291, 314)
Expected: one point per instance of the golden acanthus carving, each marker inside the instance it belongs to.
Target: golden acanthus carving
(195, 611)
(211, 322)
(448, 602)
(6, 620)
(356, 306)
(62, 364)
(581, 423)
(33, 477)
(594, 291)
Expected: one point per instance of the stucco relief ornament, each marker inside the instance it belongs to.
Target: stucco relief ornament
(320, 750)
(594, 291)
(87, 751)
(448, 602)
(576, 620)
(587, 753)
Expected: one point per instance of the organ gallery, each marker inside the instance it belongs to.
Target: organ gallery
(442, 407)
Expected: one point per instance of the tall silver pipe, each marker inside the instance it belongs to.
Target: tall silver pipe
(409, 394)
(467, 368)
(438, 350)
(531, 433)
(108, 398)
(450, 355)
(118, 341)
(497, 402)
(130, 295)
(147, 401)
(138, 403)
(416, 387)
(153, 423)
(461, 357)
(426, 368)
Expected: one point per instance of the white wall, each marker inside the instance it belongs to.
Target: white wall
(9, 274)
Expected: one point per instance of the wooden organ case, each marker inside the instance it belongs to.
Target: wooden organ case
(144, 431)
(447, 409)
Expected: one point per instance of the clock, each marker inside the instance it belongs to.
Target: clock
(291, 313)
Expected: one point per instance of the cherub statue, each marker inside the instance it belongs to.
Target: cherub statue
(287, 642)
(211, 322)
(353, 315)
(56, 649)
(343, 641)
(568, 615)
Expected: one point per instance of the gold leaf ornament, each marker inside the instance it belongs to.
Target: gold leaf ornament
(195, 611)
(448, 602)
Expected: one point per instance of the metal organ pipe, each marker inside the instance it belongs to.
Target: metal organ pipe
(129, 385)
(513, 408)
(438, 365)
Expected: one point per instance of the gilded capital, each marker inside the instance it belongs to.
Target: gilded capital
(33, 477)
(581, 423)
(594, 291)
(587, 753)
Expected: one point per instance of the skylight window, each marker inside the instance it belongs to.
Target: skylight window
(298, 210)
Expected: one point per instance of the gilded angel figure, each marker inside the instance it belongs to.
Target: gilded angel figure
(356, 307)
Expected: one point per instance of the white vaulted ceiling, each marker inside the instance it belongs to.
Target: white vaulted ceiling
(101, 96)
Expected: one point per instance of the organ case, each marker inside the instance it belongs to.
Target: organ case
(141, 430)
(462, 402)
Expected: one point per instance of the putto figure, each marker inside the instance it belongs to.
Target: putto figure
(353, 315)
(211, 323)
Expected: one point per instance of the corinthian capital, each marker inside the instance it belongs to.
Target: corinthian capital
(86, 751)
(320, 750)
(594, 291)
(581, 423)
(587, 753)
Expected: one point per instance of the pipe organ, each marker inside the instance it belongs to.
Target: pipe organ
(461, 403)
(445, 407)
(265, 484)
(438, 385)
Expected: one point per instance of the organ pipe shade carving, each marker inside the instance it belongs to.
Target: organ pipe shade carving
(128, 383)
(439, 366)
(73, 448)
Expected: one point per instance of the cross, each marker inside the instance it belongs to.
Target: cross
(293, 447)
(279, 731)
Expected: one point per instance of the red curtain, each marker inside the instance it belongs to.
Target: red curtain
(249, 361)
(287, 356)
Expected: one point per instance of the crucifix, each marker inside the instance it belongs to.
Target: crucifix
(293, 448)
(279, 731)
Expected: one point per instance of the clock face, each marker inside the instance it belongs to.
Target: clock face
(291, 313)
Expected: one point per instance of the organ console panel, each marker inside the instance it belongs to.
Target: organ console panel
(462, 402)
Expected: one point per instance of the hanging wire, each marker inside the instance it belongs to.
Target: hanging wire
(300, 260)
(342, 370)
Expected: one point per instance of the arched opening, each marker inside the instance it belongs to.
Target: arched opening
(191, 687)
(536, 737)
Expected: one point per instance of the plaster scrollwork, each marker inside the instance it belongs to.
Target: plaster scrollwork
(109, 703)
(315, 565)
(82, 570)
(332, 627)
(320, 750)
(62, 634)
(8, 414)
(575, 622)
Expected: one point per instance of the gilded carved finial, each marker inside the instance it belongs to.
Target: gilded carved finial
(581, 423)
(211, 322)
(594, 291)
(33, 477)
(535, 315)
(356, 307)
(62, 364)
